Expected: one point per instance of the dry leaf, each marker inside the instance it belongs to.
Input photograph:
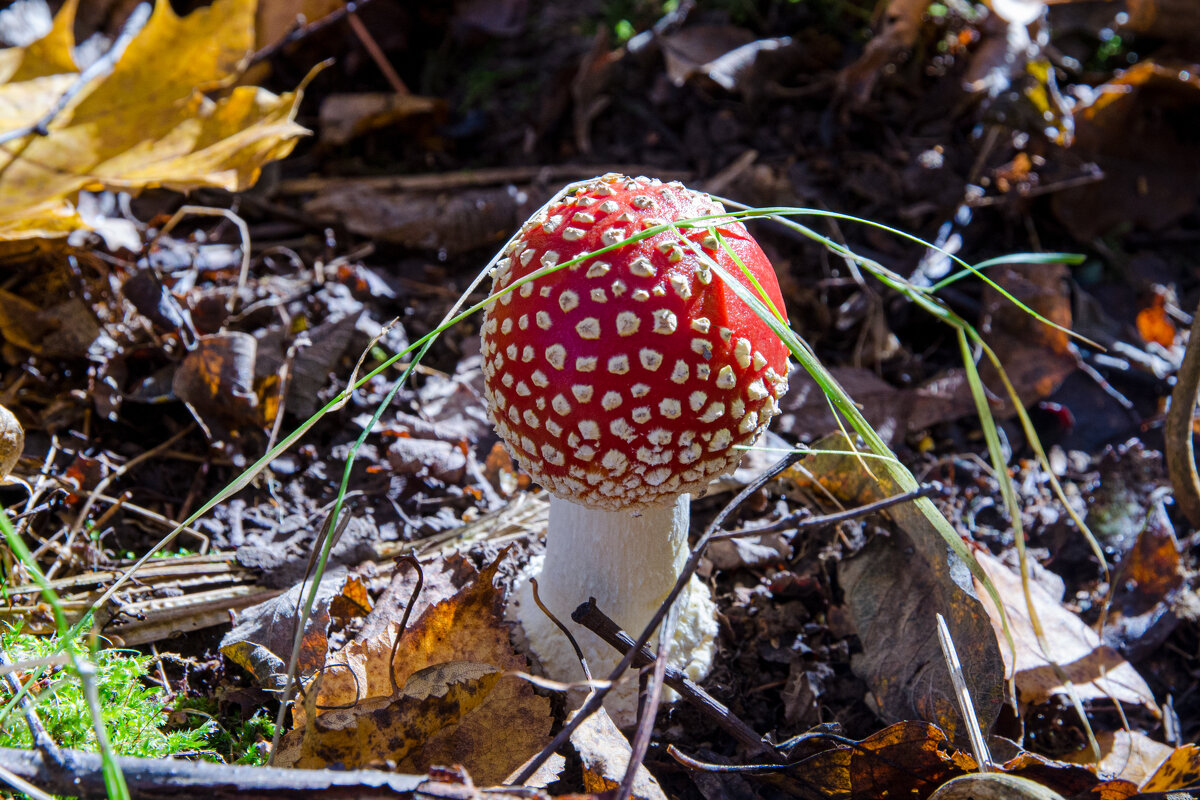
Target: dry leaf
(66, 330)
(1181, 770)
(261, 642)
(348, 116)
(383, 731)
(146, 123)
(906, 759)
(893, 589)
(605, 753)
(491, 739)
(1097, 671)
(1127, 755)
(1137, 132)
(898, 32)
(1036, 356)
(275, 19)
(1154, 325)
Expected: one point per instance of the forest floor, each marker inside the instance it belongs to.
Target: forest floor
(148, 377)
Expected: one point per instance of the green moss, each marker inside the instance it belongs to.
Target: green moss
(134, 712)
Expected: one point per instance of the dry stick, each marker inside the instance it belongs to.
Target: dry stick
(41, 738)
(413, 562)
(162, 777)
(591, 617)
(236, 221)
(377, 54)
(1177, 433)
(645, 729)
(22, 785)
(306, 30)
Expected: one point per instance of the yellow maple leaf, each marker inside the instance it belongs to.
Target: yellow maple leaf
(146, 123)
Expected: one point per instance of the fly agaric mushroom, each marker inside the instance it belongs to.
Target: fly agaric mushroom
(622, 384)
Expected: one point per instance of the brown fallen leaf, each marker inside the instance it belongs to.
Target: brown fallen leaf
(456, 222)
(605, 753)
(1181, 770)
(1036, 357)
(345, 117)
(216, 381)
(64, 330)
(1136, 131)
(906, 759)
(490, 739)
(1127, 755)
(1098, 672)
(899, 26)
(275, 19)
(261, 642)
(893, 589)
(146, 123)
(384, 730)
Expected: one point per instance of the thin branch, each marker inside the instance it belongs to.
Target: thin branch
(80, 776)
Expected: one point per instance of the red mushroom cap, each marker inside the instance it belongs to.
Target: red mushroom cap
(630, 378)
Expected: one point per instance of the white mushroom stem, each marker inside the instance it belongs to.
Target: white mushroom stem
(628, 561)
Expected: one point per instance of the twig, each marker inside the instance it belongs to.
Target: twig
(22, 785)
(377, 54)
(37, 731)
(1177, 432)
(243, 231)
(170, 777)
(412, 599)
(465, 179)
(593, 703)
(645, 729)
(103, 65)
(305, 30)
(537, 599)
(591, 617)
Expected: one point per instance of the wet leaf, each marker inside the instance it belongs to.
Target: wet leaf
(146, 123)
(1098, 672)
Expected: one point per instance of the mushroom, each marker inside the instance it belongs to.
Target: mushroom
(622, 384)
